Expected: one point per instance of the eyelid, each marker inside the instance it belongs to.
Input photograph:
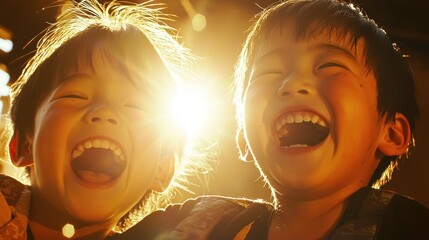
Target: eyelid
(331, 64)
(71, 95)
(266, 72)
(136, 106)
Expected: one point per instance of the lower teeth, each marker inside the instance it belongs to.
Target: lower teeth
(296, 146)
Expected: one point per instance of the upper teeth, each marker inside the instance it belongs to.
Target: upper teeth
(299, 117)
(97, 143)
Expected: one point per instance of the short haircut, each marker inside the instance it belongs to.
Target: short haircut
(130, 37)
(395, 81)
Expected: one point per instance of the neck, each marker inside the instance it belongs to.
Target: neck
(40, 231)
(295, 216)
(46, 222)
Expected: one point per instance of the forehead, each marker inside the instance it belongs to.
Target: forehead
(286, 39)
(98, 73)
(138, 63)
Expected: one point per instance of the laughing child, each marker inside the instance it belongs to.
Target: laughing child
(88, 124)
(325, 106)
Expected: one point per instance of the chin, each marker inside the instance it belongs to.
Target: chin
(92, 212)
(298, 185)
(93, 216)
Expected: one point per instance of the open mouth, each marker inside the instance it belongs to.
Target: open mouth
(98, 161)
(301, 129)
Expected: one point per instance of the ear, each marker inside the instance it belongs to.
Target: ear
(397, 136)
(20, 157)
(164, 175)
(242, 146)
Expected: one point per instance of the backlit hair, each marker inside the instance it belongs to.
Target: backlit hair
(87, 22)
(395, 80)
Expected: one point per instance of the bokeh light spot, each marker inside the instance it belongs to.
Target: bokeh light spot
(68, 230)
(199, 22)
(6, 45)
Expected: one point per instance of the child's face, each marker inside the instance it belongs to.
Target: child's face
(95, 144)
(311, 117)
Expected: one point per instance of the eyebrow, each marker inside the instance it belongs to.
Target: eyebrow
(326, 46)
(270, 53)
(75, 76)
(71, 77)
(320, 46)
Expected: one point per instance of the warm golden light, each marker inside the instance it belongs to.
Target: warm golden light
(4, 88)
(199, 22)
(190, 107)
(6, 45)
(68, 230)
(4, 79)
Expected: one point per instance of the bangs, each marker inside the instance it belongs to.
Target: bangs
(113, 48)
(342, 23)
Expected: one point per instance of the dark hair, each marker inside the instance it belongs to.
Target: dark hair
(79, 51)
(132, 38)
(395, 80)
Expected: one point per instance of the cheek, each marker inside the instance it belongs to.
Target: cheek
(52, 123)
(53, 129)
(253, 118)
(143, 168)
(147, 147)
(349, 100)
(256, 126)
(146, 137)
(355, 117)
(257, 100)
(352, 115)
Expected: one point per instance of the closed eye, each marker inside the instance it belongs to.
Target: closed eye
(265, 73)
(331, 64)
(134, 106)
(73, 96)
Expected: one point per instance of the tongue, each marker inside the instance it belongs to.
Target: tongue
(93, 177)
(97, 165)
(304, 134)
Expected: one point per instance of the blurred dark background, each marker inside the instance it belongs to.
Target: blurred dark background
(218, 44)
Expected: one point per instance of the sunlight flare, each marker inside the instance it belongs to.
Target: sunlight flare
(190, 109)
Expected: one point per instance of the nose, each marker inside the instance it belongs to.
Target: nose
(102, 114)
(295, 85)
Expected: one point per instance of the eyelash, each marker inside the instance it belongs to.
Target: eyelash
(266, 73)
(72, 96)
(134, 107)
(330, 64)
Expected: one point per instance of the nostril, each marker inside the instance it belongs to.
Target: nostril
(112, 121)
(285, 93)
(99, 119)
(303, 91)
(95, 119)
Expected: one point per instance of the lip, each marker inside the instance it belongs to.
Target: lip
(103, 185)
(295, 151)
(294, 109)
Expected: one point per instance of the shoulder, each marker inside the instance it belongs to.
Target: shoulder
(382, 214)
(401, 203)
(405, 218)
(194, 219)
(13, 190)
(216, 217)
(14, 204)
